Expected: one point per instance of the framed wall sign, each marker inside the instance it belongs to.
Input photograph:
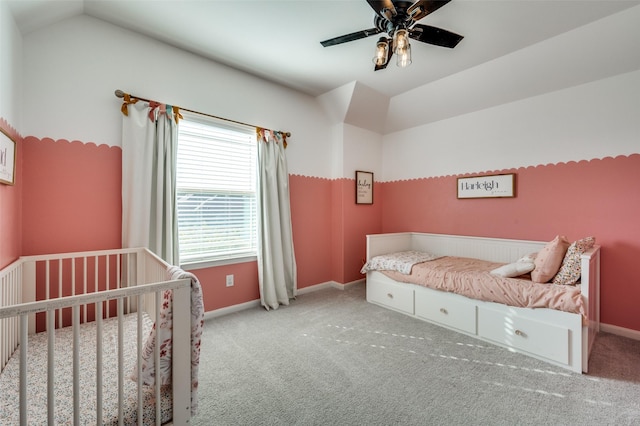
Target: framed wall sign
(7, 159)
(492, 186)
(364, 187)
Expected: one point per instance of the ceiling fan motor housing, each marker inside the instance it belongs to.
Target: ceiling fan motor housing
(389, 21)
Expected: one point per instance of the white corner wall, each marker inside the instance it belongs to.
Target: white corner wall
(362, 151)
(355, 148)
(593, 120)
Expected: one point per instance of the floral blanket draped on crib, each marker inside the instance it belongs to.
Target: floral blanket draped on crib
(164, 330)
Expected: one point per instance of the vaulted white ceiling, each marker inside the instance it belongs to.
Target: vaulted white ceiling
(279, 40)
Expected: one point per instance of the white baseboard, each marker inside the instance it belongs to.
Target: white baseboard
(314, 287)
(231, 309)
(620, 331)
(328, 284)
(349, 284)
(256, 303)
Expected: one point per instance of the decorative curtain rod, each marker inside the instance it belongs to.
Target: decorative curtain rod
(120, 94)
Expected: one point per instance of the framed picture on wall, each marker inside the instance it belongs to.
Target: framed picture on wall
(364, 187)
(7, 159)
(492, 186)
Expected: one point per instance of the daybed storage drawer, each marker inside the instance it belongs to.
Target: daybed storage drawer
(392, 295)
(446, 308)
(544, 339)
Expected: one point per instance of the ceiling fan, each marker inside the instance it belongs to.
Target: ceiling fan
(398, 19)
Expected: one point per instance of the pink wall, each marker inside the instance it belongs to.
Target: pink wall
(330, 229)
(351, 223)
(359, 220)
(339, 190)
(10, 206)
(71, 196)
(598, 197)
(71, 201)
(311, 223)
(215, 292)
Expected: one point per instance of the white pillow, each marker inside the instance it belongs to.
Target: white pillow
(531, 257)
(514, 269)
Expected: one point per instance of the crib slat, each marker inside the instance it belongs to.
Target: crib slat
(107, 271)
(139, 357)
(120, 363)
(24, 325)
(84, 286)
(156, 354)
(118, 276)
(4, 295)
(51, 327)
(73, 276)
(95, 281)
(5, 327)
(47, 280)
(76, 364)
(60, 324)
(99, 363)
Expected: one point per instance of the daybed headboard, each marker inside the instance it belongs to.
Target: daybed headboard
(491, 249)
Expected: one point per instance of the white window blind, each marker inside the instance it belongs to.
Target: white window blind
(216, 190)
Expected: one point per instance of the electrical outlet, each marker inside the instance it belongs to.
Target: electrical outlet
(229, 280)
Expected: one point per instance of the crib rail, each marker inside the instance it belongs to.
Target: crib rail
(48, 277)
(87, 287)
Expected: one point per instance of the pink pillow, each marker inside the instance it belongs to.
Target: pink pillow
(549, 259)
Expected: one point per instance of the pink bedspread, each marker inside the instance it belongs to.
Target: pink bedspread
(471, 278)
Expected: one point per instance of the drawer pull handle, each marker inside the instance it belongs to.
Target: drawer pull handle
(390, 296)
(520, 333)
(444, 311)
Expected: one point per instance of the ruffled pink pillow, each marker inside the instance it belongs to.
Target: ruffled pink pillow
(570, 269)
(549, 259)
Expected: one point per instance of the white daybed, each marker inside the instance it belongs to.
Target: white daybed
(560, 338)
(76, 336)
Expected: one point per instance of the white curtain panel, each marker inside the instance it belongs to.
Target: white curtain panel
(277, 273)
(149, 150)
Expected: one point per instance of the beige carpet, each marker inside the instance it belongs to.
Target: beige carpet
(331, 358)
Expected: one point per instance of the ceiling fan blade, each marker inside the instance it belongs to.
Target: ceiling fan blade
(384, 8)
(350, 37)
(422, 8)
(433, 35)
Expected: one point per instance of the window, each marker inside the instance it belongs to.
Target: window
(216, 190)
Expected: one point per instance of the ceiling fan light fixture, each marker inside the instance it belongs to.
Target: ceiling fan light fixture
(400, 40)
(403, 56)
(402, 47)
(382, 52)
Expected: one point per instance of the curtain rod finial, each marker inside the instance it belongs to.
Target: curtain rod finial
(119, 93)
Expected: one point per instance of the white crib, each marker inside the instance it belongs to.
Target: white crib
(63, 294)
